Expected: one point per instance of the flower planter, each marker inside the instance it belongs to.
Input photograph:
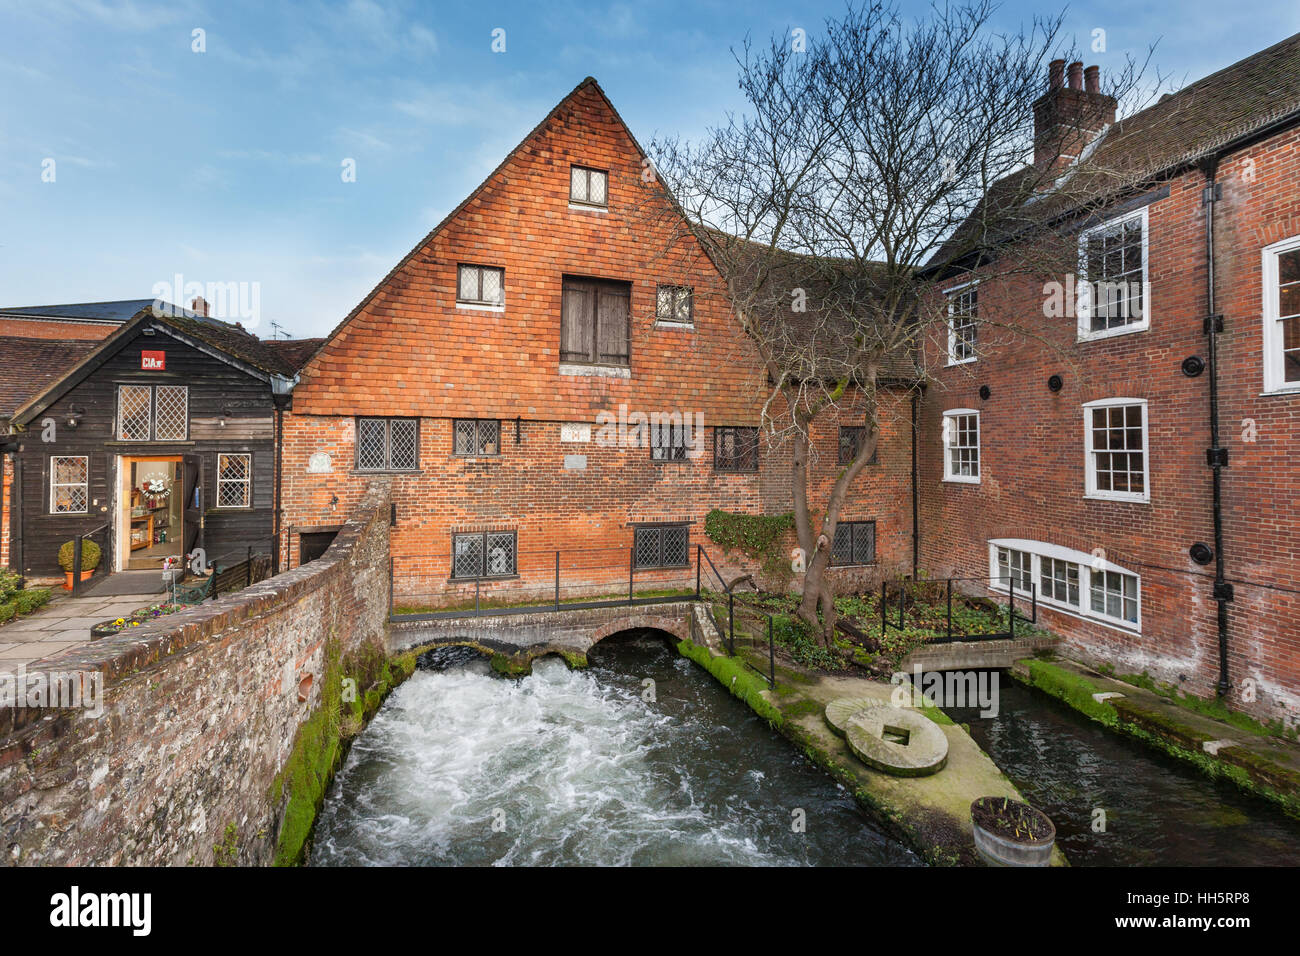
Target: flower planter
(67, 578)
(1011, 833)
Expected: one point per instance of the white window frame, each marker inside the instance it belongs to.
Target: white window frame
(1090, 462)
(947, 432)
(952, 330)
(76, 484)
(1083, 287)
(1274, 381)
(246, 482)
(1088, 565)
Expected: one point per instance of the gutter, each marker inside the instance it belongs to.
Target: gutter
(916, 510)
(1216, 456)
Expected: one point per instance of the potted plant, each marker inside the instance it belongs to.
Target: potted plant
(1011, 833)
(89, 561)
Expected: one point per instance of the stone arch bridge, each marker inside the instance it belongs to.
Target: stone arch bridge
(515, 640)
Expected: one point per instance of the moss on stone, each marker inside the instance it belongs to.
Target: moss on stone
(322, 741)
(736, 677)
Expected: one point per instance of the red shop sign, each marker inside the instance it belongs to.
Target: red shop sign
(153, 361)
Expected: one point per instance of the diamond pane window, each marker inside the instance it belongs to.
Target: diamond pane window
(171, 413)
(675, 303)
(134, 412)
(735, 449)
(855, 543)
(667, 440)
(387, 444)
(476, 437)
(234, 481)
(851, 439)
(69, 485)
(481, 285)
(662, 546)
(483, 554)
(588, 186)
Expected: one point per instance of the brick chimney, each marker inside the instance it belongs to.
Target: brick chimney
(1068, 118)
(200, 306)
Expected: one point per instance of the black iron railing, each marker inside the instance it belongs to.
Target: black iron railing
(950, 635)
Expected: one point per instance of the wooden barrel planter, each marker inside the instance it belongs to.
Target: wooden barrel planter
(1011, 833)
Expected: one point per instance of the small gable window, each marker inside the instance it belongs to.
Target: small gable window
(588, 187)
(481, 285)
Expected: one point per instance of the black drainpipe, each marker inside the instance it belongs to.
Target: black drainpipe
(279, 402)
(916, 512)
(1216, 456)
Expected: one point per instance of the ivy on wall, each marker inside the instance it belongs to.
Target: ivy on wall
(756, 536)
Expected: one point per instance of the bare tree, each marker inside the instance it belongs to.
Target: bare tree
(871, 162)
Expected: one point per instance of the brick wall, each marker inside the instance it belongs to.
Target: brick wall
(1032, 452)
(201, 713)
(409, 350)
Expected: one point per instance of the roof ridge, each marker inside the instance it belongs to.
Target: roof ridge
(429, 236)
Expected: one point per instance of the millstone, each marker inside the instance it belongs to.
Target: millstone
(925, 752)
(842, 709)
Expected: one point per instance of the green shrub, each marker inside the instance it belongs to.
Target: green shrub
(89, 555)
(9, 581)
(7, 611)
(29, 600)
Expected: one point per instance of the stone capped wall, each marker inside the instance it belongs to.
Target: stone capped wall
(201, 714)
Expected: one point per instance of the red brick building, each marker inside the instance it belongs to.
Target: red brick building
(1080, 461)
(496, 376)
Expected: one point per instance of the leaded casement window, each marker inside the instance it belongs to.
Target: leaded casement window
(153, 412)
(1069, 581)
(675, 304)
(1115, 439)
(481, 285)
(387, 444)
(595, 322)
(662, 546)
(961, 445)
(851, 439)
(963, 316)
(234, 481)
(735, 449)
(1114, 595)
(69, 485)
(668, 440)
(484, 554)
(1281, 298)
(1058, 581)
(476, 437)
(588, 187)
(1113, 293)
(855, 543)
(1015, 569)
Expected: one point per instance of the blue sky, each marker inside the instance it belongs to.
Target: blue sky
(224, 166)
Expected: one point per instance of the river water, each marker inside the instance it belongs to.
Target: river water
(460, 767)
(1158, 811)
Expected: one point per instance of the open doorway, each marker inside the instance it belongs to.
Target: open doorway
(152, 500)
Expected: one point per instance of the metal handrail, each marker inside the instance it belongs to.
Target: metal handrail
(950, 635)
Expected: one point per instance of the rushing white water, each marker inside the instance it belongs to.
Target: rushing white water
(461, 767)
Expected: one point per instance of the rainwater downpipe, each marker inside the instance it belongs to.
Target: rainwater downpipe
(916, 511)
(1216, 456)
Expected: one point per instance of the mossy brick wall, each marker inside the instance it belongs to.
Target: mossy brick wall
(201, 715)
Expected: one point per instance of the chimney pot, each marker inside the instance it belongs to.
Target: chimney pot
(1092, 79)
(200, 306)
(1055, 74)
(1076, 75)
